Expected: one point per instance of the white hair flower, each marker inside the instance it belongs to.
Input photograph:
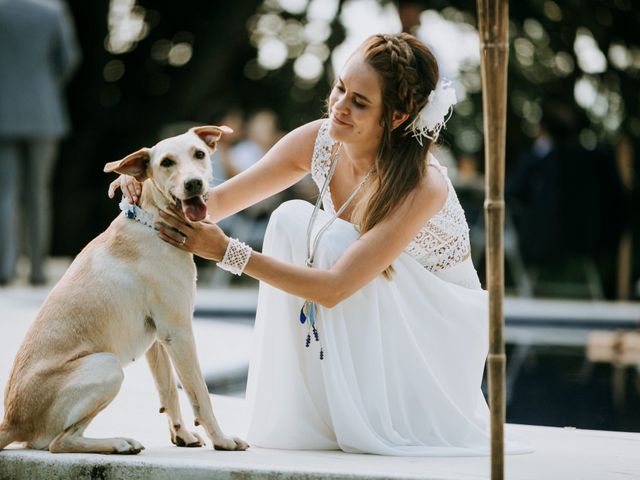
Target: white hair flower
(434, 115)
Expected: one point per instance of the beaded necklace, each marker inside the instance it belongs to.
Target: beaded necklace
(309, 309)
(134, 212)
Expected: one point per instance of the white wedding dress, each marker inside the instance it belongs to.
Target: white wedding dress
(403, 359)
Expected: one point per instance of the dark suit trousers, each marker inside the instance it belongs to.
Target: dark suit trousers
(26, 168)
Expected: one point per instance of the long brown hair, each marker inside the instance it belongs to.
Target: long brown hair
(409, 72)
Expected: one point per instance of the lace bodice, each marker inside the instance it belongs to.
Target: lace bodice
(442, 242)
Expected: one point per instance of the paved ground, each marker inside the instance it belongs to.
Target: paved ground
(224, 346)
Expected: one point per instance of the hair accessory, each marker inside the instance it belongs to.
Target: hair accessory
(235, 257)
(434, 115)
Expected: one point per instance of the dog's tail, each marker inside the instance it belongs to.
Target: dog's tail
(6, 436)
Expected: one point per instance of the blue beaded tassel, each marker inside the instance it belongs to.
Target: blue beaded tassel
(308, 312)
(312, 314)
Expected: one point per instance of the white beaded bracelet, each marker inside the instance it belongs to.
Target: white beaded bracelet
(235, 257)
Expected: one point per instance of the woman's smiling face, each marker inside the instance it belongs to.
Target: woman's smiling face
(355, 103)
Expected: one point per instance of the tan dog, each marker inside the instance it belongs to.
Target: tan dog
(125, 294)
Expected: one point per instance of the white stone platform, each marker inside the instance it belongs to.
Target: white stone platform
(563, 454)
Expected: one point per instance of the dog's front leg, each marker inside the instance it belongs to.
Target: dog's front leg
(181, 347)
(162, 372)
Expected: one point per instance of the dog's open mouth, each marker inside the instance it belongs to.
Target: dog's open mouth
(194, 208)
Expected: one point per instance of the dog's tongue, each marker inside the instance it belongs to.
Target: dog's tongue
(194, 209)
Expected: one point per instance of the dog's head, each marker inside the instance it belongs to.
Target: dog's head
(178, 166)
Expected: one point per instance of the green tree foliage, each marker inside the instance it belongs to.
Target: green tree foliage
(125, 94)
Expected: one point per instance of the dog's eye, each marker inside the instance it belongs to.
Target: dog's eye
(199, 154)
(167, 162)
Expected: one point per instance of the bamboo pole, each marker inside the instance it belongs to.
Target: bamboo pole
(493, 25)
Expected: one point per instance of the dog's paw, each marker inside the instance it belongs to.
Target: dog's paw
(228, 443)
(185, 438)
(240, 444)
(127, 446)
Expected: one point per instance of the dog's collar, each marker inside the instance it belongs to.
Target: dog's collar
(134, 212)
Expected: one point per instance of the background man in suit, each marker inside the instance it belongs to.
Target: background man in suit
(38, 53)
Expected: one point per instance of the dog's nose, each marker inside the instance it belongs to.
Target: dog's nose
(193, 186)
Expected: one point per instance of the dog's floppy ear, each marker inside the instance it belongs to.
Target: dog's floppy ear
(211, 134)
(134, 164)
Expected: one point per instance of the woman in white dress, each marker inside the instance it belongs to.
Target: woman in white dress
(371, 327)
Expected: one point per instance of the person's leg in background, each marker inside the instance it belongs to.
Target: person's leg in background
(39, 165)
(9, 183)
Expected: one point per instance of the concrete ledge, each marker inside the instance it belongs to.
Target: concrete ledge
(563, 454)
(560, 453)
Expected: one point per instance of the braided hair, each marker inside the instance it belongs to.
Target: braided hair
(409, 72)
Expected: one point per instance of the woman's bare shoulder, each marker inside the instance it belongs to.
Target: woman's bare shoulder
(297, 145)
(433, 190)
(306, 134)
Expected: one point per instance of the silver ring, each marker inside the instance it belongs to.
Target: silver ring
(184, 240)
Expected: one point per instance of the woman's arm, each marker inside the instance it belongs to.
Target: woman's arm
(365, 259)
(284, 164)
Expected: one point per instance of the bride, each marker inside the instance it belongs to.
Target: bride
(371, 328)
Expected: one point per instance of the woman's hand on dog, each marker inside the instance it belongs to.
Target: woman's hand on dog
(131, 188)
(204, 239)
